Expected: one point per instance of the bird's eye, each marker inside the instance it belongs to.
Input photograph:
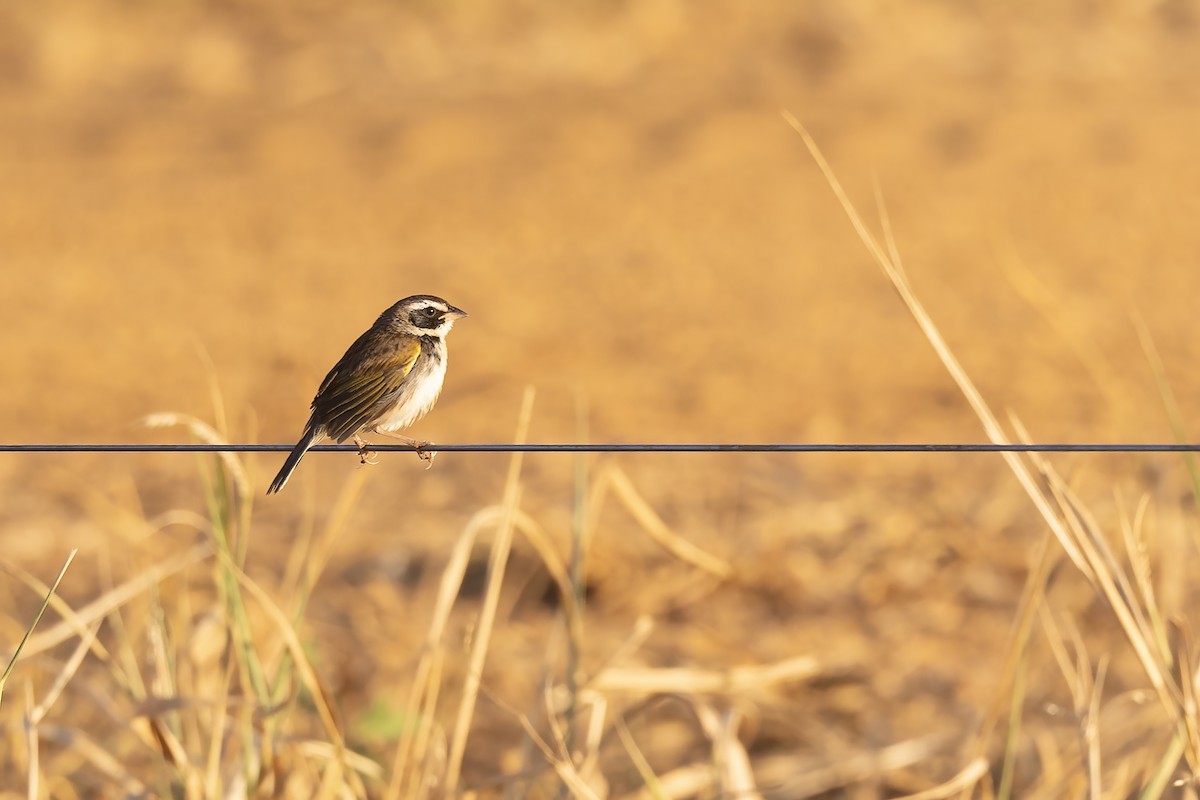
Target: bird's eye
(431, 312)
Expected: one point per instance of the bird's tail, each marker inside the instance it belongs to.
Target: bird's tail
(293, 459)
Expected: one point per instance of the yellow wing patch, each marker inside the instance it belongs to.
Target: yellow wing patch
(350, 397)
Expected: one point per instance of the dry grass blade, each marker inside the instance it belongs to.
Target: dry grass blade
(410, 750)
(1070, 652)
(1066, 327)
(1067, 518)
(540, 542)
(12, 662)
(1137, 553)
(409, 762)
(1185, 665)
(163, 685)
(613, 476)
(562, 765)
(34, 770)
(317, 556)
(1170, 405)
(76, 623)
(571, 767)
(1091, 730)
(1164, 772)
(559, 759)
(729, 754)
(230, 526)
(214, 387)
(64, 675)
(991, 425)
(96, 755)
(697, 681)
(1012, 741)
(597, 705)
(694, 782)
(35, 714)
(963, 781)
(159, 736)
(212, 770)
(501, 547)
(431, 753)
(535, 534)
(209, 435)
(308, 676)
(788, 776)
(1032, 599)
(575, 600)
(324, 751)
(642, 628)
(1110, 580)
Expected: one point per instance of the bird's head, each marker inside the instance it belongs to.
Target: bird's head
(425, 315)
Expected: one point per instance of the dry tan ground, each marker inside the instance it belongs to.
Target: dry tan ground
(233, 192)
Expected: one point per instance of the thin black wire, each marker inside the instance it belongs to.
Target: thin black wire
(925, 447)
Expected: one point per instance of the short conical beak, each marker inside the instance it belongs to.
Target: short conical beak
(455, 313)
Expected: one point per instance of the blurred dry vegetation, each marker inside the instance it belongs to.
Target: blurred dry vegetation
(202, 204)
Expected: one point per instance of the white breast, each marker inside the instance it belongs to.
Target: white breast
(418, 394)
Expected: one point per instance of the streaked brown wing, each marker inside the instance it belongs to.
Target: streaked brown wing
(351, 393)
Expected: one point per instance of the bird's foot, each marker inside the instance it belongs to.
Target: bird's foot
(415, 444)
(423, 454)
(365, 454)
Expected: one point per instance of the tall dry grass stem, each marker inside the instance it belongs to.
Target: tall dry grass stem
(563, 766)
(735, 776)
(611, 477)
(411, 762)
(47, 596)
(1170, 405)
(229, 499)
(574, 599)
(497, 562)
(1068, 519)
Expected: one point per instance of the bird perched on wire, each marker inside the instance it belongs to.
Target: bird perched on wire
(385, 382)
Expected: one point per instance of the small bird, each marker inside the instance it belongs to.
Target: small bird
(386, 381)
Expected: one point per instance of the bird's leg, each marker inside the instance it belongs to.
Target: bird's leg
(416, 444)
(365, 453)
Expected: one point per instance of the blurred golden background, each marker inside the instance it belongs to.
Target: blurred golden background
(227, 194)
